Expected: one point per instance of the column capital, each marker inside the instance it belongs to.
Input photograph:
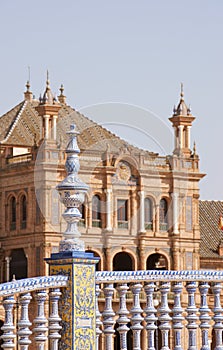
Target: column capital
(108, 190)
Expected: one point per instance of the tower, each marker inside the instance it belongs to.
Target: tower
(182, 121)
(48, 108)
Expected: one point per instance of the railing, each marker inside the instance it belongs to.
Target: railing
(24, 158)
(148, 226)
(123, 224)
(16, 301)
(179, 311)
(96, 223)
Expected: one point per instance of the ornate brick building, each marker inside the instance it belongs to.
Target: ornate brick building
(142, 210)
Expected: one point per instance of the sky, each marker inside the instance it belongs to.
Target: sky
(121, 63)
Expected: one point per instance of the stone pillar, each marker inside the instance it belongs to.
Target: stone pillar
(175, 212)
(176, 140)
(54, 128)
(157, 219)
(108, 260)
(188, 136)
(181, 141)
(7, 259)
(46, 127)
(133, 213)
(142, 212)
(108, 192)
(77, 307)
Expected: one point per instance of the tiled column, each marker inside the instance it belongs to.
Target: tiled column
(77, 307)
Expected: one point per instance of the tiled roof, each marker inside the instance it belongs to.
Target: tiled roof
(209, 212)
(7, 120)
(23, 123)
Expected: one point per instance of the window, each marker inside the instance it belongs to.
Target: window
(23, 212)
(163, 215)
(96, 211)
(122, 213)
(12, 213)
(81, 222)
(148, 214)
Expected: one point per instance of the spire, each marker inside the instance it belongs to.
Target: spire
(48, 97)
(62, 97)
(182, 108)
(182, 91)
(28, 95)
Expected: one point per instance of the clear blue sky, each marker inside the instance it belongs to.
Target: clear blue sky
(133, 52)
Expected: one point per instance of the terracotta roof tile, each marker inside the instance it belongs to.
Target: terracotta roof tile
(209, 212)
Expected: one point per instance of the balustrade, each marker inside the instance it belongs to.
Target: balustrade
(136, 310)
(176, 309)
(16, 300)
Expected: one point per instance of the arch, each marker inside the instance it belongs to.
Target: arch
(122, 261)
(18, 264)
(12, 213)
(163, 214)
(157, 261)
(128, 159)
(96, 211)
(97, 255)
(23, 211)
(148, 213)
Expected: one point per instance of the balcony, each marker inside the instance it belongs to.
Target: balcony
(164, 226)
(148, 226)
(96, 223)
(123, 224)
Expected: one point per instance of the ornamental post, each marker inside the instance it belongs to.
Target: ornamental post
(78, 303)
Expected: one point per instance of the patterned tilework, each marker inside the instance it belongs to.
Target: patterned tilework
(6, 121)
(209, 212)
(77, 306)
(19, 125)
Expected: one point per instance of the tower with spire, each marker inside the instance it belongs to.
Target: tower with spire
(182, 121)
(48, 109)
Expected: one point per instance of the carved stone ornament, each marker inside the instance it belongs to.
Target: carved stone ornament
(72, 192)
(123, 171)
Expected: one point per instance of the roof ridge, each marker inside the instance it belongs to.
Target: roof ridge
(12, 127)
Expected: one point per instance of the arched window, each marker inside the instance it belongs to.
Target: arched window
(98, 265)
(156, 262)
(122, 213)
(163, 215)
(148, 214)
(12, 214)
(122, 262)
(96, 211)
(23, 211)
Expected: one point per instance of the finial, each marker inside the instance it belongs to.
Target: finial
(28, 94)
(47, 79)
(181, 91)
(27, 86)
(188, 110)
(61, 97)
(61, 90)
(194, 149)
